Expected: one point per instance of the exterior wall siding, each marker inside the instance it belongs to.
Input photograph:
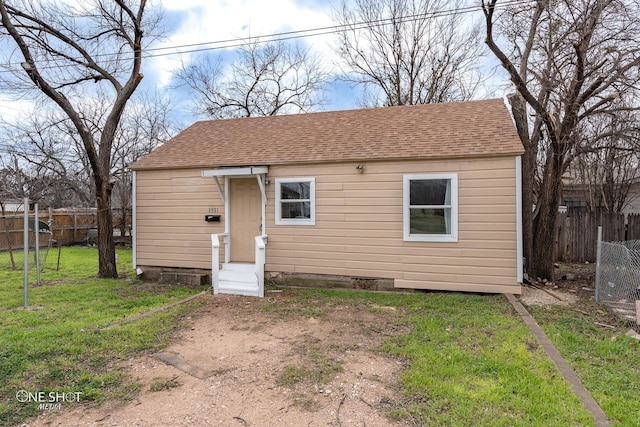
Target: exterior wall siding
(171, 230)
(633, 200)
(358, 231)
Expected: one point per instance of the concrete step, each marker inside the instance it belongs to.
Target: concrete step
(238, 277)
(240, 267)
(239, 288)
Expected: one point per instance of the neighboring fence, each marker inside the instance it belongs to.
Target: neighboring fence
(576, 239)
(69, 227)
(618, 277)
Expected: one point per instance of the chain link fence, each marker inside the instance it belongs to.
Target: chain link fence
(618, 278)
(63, 227)
(12, 242)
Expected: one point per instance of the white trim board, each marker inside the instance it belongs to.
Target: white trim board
(251, 170)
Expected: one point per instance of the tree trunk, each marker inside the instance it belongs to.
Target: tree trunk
(9, 237)
(545, 222)
(106, 247)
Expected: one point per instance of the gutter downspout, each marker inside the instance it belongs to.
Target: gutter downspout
(519, 245)
(134, 203)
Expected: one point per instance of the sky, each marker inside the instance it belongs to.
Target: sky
(189, 22)
(200, 21)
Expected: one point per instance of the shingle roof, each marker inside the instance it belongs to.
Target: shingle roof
(448, 130)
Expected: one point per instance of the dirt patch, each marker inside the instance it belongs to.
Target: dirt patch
(544, 297)
(574, 285)
(275, 361)
(137, 287)
(573, 288)
(286, 360)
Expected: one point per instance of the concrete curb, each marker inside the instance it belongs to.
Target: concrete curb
(177, 362)
(576, 385)
(149, 313)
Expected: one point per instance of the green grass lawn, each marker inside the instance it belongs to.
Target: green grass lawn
(605, 359)
(58, 345)
(470, 360)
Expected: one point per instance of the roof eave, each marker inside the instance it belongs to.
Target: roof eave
(330, 161)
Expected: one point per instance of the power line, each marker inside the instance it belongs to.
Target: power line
(311, 32)
(289, 35)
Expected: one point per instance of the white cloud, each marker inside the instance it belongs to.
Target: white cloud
(11, 109)
(202, 21)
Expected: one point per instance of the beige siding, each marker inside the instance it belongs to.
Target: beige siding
(170, 207)
(358, 229)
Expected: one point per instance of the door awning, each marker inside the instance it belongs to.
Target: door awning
(250, 170)
(258, 171)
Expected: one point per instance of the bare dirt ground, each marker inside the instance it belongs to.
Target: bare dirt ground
(574, 286)
(574, 289)
(237, 364)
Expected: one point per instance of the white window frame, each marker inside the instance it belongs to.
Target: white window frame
(451, 237)
(312, 200)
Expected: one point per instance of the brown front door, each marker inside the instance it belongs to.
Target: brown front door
(245, 215)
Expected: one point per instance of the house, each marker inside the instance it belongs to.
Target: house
(581, 196)
(12, 206)
(409, 197)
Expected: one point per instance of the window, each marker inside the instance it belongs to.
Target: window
(430, 208)
(296, 201)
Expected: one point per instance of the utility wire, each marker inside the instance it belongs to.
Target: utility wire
(333, 29)
(287, 35)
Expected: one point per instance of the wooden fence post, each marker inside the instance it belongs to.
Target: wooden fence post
(633, 227)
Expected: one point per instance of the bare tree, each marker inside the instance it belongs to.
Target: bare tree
(51, 150)
(569, 62)
(145, 125)
(11, 189)
(66, 52)
(266, 80)
(609, 164)
(56, 171)
(408, 52)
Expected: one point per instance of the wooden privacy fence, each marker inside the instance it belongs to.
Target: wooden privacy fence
(69, 227)
(577, 234)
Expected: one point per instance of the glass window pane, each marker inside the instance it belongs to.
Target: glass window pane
(430, 221)
(290, 210)
(430, 192)
(295, 190)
